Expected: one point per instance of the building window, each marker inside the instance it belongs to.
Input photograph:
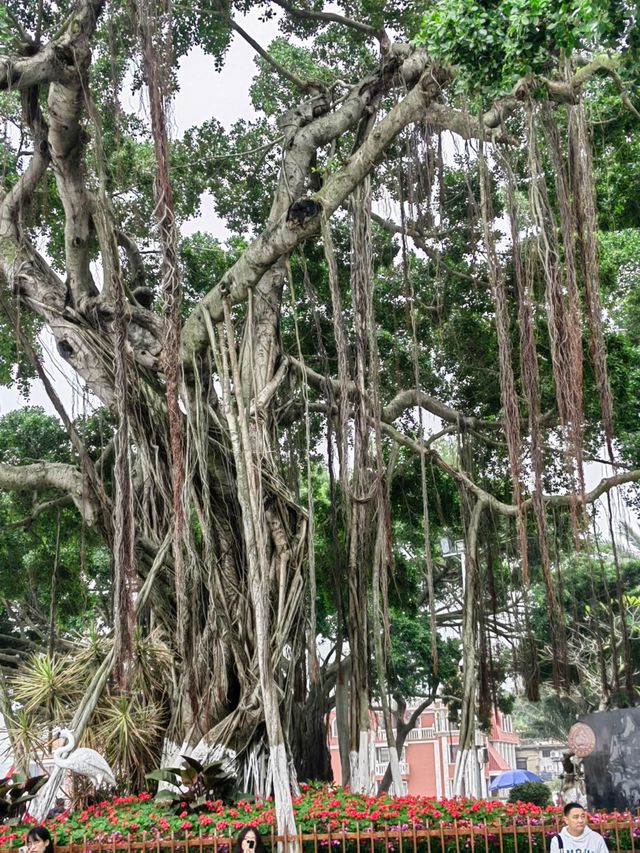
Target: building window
(453, 751)
(383, 754)
(546, 753)
(521, 764)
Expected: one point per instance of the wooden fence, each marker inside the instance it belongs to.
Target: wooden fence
(529, 837)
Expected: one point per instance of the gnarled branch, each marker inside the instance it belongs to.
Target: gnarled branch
(41, 476)
(326, 17)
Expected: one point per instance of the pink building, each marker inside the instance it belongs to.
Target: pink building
(427, 763)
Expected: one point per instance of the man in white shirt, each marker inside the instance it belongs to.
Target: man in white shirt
(575, 836)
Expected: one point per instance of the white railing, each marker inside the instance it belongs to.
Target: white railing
(381, 768)
(421, 734)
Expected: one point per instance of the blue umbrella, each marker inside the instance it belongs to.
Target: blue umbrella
(513, 777)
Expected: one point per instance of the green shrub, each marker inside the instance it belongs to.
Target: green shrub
(530, 792)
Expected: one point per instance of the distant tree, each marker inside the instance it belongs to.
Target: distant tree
(531, 792)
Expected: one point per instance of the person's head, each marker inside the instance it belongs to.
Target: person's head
(249, 841)
(575, 818)
(39, 840)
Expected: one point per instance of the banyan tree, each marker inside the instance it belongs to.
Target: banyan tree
(413, 282)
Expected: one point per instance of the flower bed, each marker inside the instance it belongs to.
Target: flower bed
(326, 811)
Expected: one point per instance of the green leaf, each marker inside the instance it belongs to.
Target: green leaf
(193, 763)
(165, 775)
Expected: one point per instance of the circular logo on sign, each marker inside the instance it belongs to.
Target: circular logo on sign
(581, 739)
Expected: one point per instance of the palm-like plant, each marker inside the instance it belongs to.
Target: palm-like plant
(25, 733)
(154, 664)
(88, 653)
(130, 731)
(45, 688)
(127, 729)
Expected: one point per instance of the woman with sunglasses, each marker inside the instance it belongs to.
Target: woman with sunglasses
(248, 840)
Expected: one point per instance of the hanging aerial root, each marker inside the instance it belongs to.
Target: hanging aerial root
(562, 303)
(154, 23)
(583, 183)
(507, 379)
(411, 297)
(531, 385)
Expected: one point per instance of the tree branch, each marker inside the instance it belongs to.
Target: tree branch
(42, 476)
(37, 512)
(298, 82)
(136, 265)
(53, 62)
(403, 400)
(326, 17)
(605, 485)
(284, 235)
(413, 230)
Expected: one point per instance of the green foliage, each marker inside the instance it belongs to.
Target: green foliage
(5, 29)
(411, 670)
(15, 792)
(550, 718)
(29, 435)
(493, 44)
(205, 260)
(15, 368)
(196, 784)
(531, 792)
(28, 542)
(590, 602)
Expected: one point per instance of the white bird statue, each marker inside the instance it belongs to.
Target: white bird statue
(84, 761)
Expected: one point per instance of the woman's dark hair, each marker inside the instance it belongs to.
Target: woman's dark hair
(41, 833)
(259, 848)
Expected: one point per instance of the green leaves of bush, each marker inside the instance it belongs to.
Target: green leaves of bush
(530, 792)
(493, 44)
(17, 790)
(195, 784)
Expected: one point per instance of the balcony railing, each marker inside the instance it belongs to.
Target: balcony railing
(381, 768)
(422, 734)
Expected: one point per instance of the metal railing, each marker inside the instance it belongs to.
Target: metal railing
(531, 837)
